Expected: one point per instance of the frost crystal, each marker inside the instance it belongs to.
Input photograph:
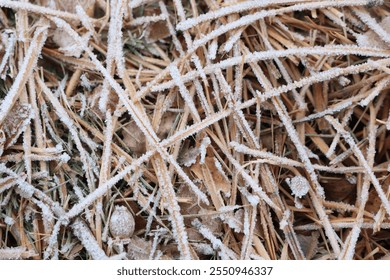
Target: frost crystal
(122, 223)
(284, 221)
(203, 148)
(9, 221)
(299, 185)
(85, 82)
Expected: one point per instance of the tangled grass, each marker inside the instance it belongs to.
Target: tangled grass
(207, 129)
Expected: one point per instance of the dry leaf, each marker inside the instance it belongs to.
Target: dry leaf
(139, 249)
(338, 190)
(213, 180)
(157, 31)
(16, 122)
(135, 139)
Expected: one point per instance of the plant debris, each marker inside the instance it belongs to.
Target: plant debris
(194, 129)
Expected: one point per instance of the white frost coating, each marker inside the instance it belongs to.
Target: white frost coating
(240, 7)
(232, 40)
(204, 249)
(220, 169)
(114, 49)
(122, 223)
(68, 122)
(229, 208)
(246, 224)
(175, 217)
(330, 50)
(183, 90)
(147, 19)
(202, 97)
(252, 183)
(106, 157)
(83, 100)
(212, 51)
(15, 253)
(388, 122)
(85, 19)
(253, 200)
(330, 111)
(68, 45)
(217, 244)
(336, 139)
(52, 246)
(354, 235)
(9, 220)
(340, 225)
(284, 221)
(310, 154)
(25, 6)
(88, 240)
(231, 221)
(85, 82)
(351, 142)
(187, 180)
(102, 189)
(64, 157)
(28, 65)
(171, 28)
(343, 81)
(296, 35)
(25, 190)
(143, 124)
(375, 92)
(136, 3)
(382, 32)
(299, 185)
(9, 40)
(298, 98)
(47, 215)
(249, 19)
(280, 108)
(203, 149)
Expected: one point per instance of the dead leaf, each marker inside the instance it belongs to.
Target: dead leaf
(15, 123)
(338, 190)
(139, 249)
(135, 139)
(213, 180)
(157, 31)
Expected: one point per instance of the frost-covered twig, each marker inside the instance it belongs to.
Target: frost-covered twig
(16, 253)
(68, 122)
(25, 6)
(371, 22)
(249, 5)
(249, 19)
(25, 71)
(300, 51)
(114, 50)
(143, 123)
(89, 242)
(375, 91)
(217, 244)
(346, 135)
(178, 227)
(10, 43)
